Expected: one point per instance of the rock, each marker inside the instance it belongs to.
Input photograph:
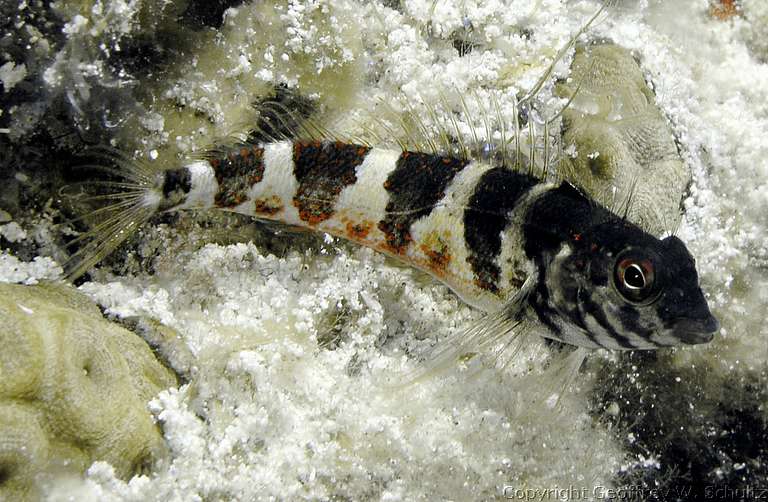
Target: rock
(73, 390)
(618, 145)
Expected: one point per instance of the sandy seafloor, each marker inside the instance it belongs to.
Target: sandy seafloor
(287, 355)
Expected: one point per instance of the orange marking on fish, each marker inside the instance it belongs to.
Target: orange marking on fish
(400, 249)
(258, 174)
(297, 148)
(434, 247)
(403, 234)
(358, 231)
(486, 285)
(313, 217)
(438, 258)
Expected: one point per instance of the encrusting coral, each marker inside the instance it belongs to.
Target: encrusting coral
(619, 147)
(73, 389)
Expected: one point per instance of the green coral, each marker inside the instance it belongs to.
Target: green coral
(619, 146)
(73, 389)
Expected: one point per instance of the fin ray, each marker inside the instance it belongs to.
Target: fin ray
(483, 341)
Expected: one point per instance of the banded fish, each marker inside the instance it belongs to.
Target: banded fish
(524, 249)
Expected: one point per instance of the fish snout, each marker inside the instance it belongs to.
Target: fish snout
(695, 331)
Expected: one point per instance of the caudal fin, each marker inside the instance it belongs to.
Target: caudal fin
(118, 195)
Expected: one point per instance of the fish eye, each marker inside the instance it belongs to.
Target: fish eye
(634, 277)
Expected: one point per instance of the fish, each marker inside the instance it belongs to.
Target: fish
(523, 248)
(532, 250)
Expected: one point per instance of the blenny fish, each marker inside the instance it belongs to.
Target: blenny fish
(505, 241)
(530, 251)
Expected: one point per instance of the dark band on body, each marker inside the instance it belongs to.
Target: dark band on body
(323, 170)
(554, 216)
(496, 194)
(415, 186)
(177, 183)
(236, 169)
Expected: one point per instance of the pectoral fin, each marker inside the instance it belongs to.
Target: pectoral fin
(493, 340)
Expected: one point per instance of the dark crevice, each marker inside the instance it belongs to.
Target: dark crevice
(703, 439)
(206, 13)
(5, 474)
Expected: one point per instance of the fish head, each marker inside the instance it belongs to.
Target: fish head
(618, 287)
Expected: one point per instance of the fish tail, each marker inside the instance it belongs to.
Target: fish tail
(118, 195)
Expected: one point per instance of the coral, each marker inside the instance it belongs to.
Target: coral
(619, 147)
(74, 389)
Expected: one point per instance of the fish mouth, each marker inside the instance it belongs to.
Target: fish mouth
(696, 331)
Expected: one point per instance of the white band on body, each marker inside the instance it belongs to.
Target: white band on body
(204, 186)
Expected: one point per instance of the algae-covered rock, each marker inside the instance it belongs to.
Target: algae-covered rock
(73, 389)
(619, 147)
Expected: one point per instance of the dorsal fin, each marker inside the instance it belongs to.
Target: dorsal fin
(502, 127)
